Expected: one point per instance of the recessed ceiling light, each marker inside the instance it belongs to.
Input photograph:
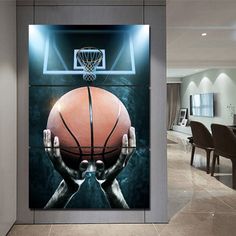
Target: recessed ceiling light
(204, 34)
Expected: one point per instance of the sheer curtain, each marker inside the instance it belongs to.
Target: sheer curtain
(173, 103)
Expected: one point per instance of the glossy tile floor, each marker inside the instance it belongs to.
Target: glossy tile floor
(198, 203)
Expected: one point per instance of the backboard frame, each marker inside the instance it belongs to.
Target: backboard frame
(79, 71)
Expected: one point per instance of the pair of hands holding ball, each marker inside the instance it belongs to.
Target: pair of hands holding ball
(73, 179)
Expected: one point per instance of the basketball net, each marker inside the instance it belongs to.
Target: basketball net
(89, 58)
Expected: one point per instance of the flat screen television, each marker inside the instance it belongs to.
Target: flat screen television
(202, 105)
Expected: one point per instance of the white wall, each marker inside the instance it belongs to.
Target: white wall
(174, 80)
(218, 81)
(97, 12)
(7, 115)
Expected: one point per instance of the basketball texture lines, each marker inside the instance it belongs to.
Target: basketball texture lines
(90, 123)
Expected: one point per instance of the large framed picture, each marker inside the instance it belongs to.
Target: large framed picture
(89, 117)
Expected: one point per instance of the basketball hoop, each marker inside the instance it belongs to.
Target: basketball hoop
(89, 58)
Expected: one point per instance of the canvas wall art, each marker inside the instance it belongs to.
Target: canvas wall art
(89, 122)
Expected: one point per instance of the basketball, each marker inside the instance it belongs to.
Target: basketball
(90, 123)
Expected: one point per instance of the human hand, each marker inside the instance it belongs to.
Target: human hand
(73, 178)
(107, 178)
(128, 148)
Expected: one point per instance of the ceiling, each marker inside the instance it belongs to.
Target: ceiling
(187, 51)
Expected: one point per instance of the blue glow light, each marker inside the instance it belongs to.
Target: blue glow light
(36, 40)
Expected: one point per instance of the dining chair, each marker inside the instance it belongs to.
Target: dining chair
(225, 145)
(202, 138)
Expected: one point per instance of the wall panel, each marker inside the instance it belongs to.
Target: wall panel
(92, 2)
(8, 110)
(155, 16)
(88, 15)
(24, 18)
(112, 14)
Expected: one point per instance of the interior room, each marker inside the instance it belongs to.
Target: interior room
(200, 96)
(117, 117)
